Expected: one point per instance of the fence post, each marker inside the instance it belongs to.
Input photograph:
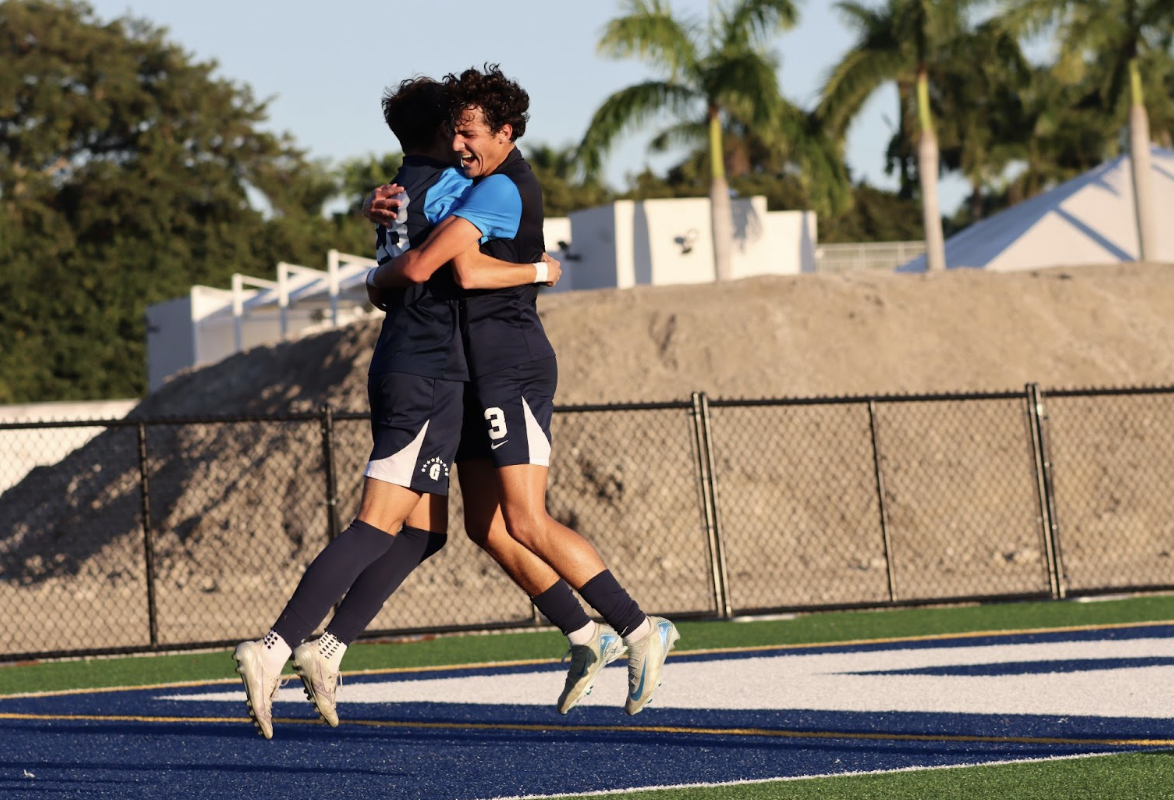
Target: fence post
(880, 499)
(148, 544)
(709, 502)
(1049, 530)
(328, 465)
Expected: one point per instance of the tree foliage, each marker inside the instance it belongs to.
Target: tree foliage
(713, 76)
(562, 190)
(872, 215)
(128, 173)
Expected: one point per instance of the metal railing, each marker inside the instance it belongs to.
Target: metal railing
(831, 258)
(164, 534)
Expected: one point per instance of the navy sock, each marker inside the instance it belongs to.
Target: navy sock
(412, 547)
(605, 595)
(328, 577)
(558, 604)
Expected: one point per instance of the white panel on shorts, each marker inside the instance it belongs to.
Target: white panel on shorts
(398, 468)
(536, 438)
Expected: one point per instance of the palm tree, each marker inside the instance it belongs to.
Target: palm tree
(556, 168)
(980, 94)
(710, 71)
(1063, 134)
(899, 42)
(804, 151)
(1117, 40)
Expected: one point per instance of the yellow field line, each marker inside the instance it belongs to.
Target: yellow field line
(669, 729)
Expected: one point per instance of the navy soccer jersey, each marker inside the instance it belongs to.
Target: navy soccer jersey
(502, 328)
(421, 333)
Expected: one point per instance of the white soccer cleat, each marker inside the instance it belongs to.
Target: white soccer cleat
(320, 682)
(646, 660)
(260, 689)
(586, 662)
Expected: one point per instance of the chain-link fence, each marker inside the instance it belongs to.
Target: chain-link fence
(165, 534)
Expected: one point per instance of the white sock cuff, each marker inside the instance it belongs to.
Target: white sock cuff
(275, 653)
(640, 631)
(583, 635)
(331, 649)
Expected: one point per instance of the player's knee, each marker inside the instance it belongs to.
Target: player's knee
(527, 530)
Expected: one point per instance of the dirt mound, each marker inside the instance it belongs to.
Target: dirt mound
(792, 336)
(867, 333)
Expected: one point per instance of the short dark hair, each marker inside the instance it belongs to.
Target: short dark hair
(415, 110)
(501, 100)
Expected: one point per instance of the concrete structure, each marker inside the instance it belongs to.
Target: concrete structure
(1088, 220)
(210, 324)
(659, 242)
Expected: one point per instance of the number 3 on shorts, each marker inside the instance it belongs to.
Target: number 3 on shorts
(496, 419)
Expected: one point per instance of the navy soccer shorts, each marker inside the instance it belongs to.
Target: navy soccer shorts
(415, 426)
(508, 413)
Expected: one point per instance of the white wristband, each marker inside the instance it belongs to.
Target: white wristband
(371, 278)
(543, 272)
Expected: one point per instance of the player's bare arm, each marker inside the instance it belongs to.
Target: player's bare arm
(453, 236)
(456, 239)
(474, 269)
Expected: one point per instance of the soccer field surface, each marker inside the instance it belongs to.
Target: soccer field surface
(818, 718)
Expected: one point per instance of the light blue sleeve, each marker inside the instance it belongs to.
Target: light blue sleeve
(450, 189)
(495, 206)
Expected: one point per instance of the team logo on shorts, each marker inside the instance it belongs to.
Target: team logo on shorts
(435, 467)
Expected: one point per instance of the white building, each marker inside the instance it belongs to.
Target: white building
(211, 324)
(624, 244)
(1090, 219)
(660, 242)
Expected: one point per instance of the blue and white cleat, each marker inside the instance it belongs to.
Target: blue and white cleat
(646, 660)
(586, 662)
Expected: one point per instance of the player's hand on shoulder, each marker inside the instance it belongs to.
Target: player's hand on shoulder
(554, 269)
(383, 204)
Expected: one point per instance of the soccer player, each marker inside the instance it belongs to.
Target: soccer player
(514, 374)
(416, 385)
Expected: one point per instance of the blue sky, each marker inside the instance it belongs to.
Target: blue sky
(325, 67)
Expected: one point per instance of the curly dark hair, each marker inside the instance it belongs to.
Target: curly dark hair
(415, 110)
(502, 101)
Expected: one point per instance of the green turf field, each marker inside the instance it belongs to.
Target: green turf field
(1148, 775)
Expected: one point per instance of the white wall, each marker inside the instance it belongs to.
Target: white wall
(669, 241)
(555, 230)
(593, 245)
(791, 243)
(23, 449)
(171, 339)
(200, 329)
(679, 241)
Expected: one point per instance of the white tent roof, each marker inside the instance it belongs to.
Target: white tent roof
(1088, 220)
